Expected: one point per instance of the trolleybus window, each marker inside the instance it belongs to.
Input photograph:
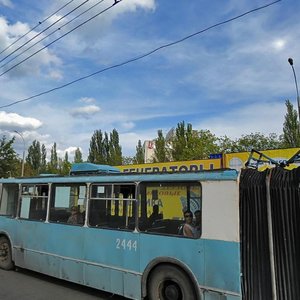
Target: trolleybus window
(8, 199)
(34, 199)
(163, 205)
(112, 206)
(65, 200)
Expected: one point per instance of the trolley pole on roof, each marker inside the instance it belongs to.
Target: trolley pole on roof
(23, 158)
(291, 62)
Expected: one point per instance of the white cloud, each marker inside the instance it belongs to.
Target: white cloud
(44, 59)
(87, 100)
(127, 125)
(265, 118)
(7, 3)
(85, 111)
(15, 121)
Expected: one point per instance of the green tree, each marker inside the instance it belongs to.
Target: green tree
(160, 150)
(180, 141)
(190, 144)
(139, 157)
(291, 133)
(8, 158)
(115, 149)
(226, 144)
(43, 159)
(202, 144)
(105, 150)
(128, 160)
(78, 156)
(34, 157)
(96, 150)
(257, 141)
(53, 163)
(65, 165)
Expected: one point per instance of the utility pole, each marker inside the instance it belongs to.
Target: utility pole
(291, 62)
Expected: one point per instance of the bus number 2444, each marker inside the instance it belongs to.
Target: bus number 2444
(124, 244)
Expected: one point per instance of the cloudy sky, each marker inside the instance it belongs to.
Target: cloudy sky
(232, 79)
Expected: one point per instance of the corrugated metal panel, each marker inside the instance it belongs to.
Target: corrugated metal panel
(285, 203)
(255, 249)
(256, 279)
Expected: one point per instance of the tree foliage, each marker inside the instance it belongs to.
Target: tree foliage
(139, 157)
(161, 150)
(64, 165)
(8, 158)
(105, 150)
(114, 156)
(78, 156)
(188, 144)
(291, 131)
(53, 163)
(34, 157)
(257, 141)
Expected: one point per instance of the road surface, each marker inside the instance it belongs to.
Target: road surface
(27, 285)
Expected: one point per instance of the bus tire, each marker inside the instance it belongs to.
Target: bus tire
(168, 282)
(6, 262)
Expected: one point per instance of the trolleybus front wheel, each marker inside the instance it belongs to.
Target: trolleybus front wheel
(168, 282)
(6, 262)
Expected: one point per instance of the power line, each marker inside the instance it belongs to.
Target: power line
(141, 56)
(38, 34)
(46, 46)
(33, 28)
(56, 30)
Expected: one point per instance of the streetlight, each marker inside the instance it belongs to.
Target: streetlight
(291, 62)
(23, 161)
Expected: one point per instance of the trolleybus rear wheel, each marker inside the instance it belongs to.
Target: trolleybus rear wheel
(6, 262)
(170, 283)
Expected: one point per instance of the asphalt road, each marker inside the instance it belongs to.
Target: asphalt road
(27, 285)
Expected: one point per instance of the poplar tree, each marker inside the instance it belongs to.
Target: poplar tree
(34, 157)
(53, 164)
(139, 157)
(96, 150)
(43, 159)
(160, 151)
(115, 150)
(291, 132)
(65, 165)
(78, 156)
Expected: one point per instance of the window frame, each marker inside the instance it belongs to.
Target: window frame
(108, 204)
(145, 184)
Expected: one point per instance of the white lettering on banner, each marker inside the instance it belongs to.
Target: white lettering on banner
(123, 244)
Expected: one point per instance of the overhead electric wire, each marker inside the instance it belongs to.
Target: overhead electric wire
(38, 34)
(141, 56)
(46, 46)
(33, 28)
(58, 29)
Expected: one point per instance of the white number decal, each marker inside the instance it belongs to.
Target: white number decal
(126, 244)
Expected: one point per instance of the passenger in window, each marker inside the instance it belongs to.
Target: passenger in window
(155, 215)
(76, 216)
(188, 228)
(197, 224)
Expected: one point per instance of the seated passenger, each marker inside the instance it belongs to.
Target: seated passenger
(155, 215)
(188, 228)
(76, 216)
